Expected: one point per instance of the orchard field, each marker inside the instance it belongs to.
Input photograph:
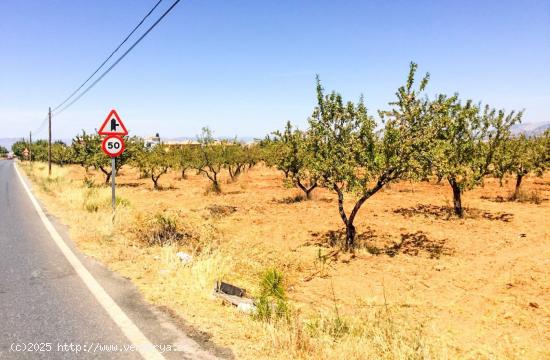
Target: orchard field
(472, 288)
(423, 234)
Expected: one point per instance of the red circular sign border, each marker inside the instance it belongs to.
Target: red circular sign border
(103, 146)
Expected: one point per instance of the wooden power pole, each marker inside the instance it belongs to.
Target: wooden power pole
(50, 141)
(30, 145)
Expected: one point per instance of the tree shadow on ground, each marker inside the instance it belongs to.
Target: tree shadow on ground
(411, 244)
(532, 197)
(130, 184)
(289, 199)
(447, 213)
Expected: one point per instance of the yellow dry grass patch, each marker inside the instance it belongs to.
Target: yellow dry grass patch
(486, 296)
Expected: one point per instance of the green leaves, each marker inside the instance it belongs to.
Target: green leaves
(467, 140)
(351, 154)
(293, 154)
(348, 154)
(343, 150)
(522, 155)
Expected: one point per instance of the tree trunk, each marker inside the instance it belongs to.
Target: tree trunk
(350, 235)
(183, 176)
(519, 178)
(107, 174)
(155, 182)
(234, 172)
(457, 198)
(306, 190)
(215, 184)
(350, 229)
(216, 187)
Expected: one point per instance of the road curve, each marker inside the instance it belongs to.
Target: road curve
(46, 310)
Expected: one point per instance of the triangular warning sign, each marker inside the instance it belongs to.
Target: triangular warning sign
(113, 125)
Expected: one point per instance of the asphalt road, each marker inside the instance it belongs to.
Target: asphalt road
(45, 306)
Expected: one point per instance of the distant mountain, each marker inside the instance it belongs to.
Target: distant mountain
(530, 129)
(245, 139)
(8, 142)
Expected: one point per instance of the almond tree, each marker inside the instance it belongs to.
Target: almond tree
(235, 158)
(18, 148)
(85, 148)
(521, 156)
(156, 163)
(350, 156)
(468, 139)
(252, 154)
(184, 158)
(210, 160)
(61, 153)
(293, 154)
(88, 153)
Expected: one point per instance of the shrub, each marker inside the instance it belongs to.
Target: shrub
(272, 303)
(163, 228)
(524, 196)
(94, 200)
(88, 182)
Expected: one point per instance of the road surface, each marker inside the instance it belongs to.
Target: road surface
(46, 309)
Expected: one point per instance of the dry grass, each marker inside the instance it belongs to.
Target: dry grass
(484, 294)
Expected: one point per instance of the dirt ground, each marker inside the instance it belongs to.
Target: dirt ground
(478, 286)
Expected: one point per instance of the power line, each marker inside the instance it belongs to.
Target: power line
(41, 127)
(110, 56)
(119, 59)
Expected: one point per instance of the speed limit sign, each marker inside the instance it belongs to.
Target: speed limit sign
(113, 146)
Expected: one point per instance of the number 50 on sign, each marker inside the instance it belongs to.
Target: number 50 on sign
(113, 146)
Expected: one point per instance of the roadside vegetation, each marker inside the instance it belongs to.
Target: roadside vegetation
(342, 232)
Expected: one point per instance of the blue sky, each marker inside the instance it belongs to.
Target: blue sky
(245, 67)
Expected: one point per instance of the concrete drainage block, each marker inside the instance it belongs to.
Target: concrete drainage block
(235, 296)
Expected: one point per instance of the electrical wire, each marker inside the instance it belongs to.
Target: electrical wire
(119, 59)
(41, 127)
(109, 57)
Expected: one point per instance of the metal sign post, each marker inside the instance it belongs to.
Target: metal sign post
(113, 145)
(113, 182)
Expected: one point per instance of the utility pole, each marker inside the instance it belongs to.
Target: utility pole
(30, 146)
(50, 141)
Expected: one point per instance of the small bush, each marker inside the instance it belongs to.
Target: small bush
(272, 304)
(91, 206)
(161, 229)
(533, 197)
(95, 201)
(334, 326)
(88, 182)
(48, 184)
(219, 211)
(121, 202)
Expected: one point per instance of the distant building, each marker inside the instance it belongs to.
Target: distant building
(152, 141)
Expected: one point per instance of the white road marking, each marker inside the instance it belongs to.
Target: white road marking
(132, 332)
